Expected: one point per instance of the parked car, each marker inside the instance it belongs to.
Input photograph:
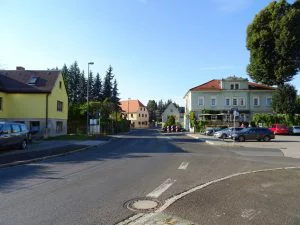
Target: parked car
(13, 134)
(295, 130)
(279, 129)
(227, 133)
(211, 130)
(254, 133)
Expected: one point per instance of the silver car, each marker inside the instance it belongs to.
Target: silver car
(227, 133)
(295, 130)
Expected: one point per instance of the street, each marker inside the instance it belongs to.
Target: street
(91, 187)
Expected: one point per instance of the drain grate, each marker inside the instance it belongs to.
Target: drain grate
(142, 204)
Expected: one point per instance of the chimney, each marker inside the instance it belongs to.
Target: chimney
(20, 68)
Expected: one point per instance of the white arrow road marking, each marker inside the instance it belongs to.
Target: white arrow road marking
(183, 166)
(161, 188)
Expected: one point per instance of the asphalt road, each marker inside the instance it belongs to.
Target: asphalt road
(91, 187)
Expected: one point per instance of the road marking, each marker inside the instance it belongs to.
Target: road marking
(161, 188)
(183, 166)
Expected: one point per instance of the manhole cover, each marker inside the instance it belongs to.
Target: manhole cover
(142, 204)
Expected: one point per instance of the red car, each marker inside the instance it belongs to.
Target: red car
(279, 129)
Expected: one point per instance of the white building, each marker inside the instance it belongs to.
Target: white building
(216, 99)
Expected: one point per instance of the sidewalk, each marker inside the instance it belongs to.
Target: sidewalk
(288, 145)
(269, 197)
(45, 149)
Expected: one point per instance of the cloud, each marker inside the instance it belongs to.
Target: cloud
(230, 6)
(216, 68)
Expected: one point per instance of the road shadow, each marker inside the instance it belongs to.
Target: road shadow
(119, 148)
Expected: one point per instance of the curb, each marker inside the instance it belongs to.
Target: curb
(143, 218)
(17, 163)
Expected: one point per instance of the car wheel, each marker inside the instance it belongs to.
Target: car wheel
(267, 138)
(23, 144)
(223, 136)
(241, 138)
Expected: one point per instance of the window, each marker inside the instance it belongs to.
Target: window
(214, 117)
(234, 101)
(1, 104)
(141, 109)
(171, 110)
(33, 80)
(256, 101)
(142, 115)
(237, 86)
(59, 126)
(131, 115)
(269, 101)
(231, 86)
(145, 115)
(23, 128)
(60, 84)
(201, 101)
(16, 128)
(146, 123)
(6, 129)
(213, 102)
(34, 126)
(242, 102)
(227, 101)
(139, 115)
(59, 106)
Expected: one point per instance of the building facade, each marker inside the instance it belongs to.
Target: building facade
(36, 98)
(216, 100)
(136, 112)
(177, 112)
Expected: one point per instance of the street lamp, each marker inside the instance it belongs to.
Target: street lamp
(87, 98)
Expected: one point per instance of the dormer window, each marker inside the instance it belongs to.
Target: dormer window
(33, 80)
(234, 86)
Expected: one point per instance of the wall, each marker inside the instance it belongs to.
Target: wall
(58, 94)
(26, 105)
(170, 110)
(4, 110)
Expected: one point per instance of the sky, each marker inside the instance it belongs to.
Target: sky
(159, 49)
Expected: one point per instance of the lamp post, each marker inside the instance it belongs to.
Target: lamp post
(87, 98)
(128, 110)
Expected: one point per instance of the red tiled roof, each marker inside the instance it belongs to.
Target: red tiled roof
(216, 85)
(210, 85)
(133, 105)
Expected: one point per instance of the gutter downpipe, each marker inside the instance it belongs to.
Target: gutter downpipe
(47, 111)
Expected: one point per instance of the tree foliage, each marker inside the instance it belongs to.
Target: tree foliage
(273, 39)
(284, 99)
(152, 107)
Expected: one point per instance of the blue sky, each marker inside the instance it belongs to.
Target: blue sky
(158, 48)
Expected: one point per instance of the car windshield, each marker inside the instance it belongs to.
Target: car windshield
(296, 127)
(1, 127)
(281, 126)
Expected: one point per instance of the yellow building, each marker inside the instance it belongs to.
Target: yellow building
(136, 112)
(37, 98)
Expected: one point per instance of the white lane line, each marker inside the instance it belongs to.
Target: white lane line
(161, 188)
(183, 166)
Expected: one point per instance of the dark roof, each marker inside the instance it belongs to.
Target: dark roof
(216, 85)
(16, 81)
